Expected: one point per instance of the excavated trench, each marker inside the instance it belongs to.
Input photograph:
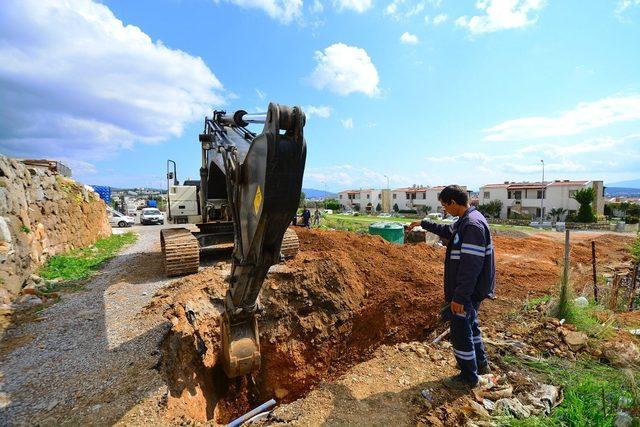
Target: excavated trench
(328, 309)
(341, 298)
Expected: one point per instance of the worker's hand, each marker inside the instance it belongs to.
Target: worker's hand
(414, 224)
(457, 308)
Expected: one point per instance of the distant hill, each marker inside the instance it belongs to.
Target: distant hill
(633, 183)
(622, 191)
(317, 194)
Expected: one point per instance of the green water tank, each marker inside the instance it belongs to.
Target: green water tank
(390, 231)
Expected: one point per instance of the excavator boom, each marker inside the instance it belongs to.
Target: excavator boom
(263, 178)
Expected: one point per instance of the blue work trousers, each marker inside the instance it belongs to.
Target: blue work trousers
(466, 339)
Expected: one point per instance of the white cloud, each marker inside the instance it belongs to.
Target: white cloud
(501, 15)
(359, 6)
(440, 19)
(323, 111)
(584, 159)
(407, 38)
(351, 176)
(585, 116)
(347, 123)
(262, 95)
(623, 5)
(76, 83)
(317, 6)
(403, 9)
(345, 69)
(284, 11)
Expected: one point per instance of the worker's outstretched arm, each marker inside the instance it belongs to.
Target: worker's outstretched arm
(472, 253)
(441, 230)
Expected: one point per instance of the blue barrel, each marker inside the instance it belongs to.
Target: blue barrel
(104, 192)
(152, 203)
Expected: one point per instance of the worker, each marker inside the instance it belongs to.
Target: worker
(306, 217)
(469, 278)
(316, 217)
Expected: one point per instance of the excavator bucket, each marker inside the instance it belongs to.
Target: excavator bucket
(240, 346)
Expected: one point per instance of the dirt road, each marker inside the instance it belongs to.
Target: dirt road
(89, 358)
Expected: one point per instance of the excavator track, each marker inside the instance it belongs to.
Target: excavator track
(180, 250)
(290, 244)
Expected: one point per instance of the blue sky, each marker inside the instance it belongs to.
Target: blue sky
(423, 91)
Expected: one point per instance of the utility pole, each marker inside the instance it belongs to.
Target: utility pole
(543, 194)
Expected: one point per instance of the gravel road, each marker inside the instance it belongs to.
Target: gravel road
(90, 358)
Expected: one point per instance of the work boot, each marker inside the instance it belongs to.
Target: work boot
(484, 369)
(459, 382)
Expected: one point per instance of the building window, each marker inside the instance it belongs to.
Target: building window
(515, 195)
(572, 193)
(487, 195)
(424, 196)
(367, 196)
(408, 195)
(341, 196)
(379, 195)
(540, 194)
(394, 195)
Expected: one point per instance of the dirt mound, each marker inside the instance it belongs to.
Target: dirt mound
(330, 308)
(342, 297)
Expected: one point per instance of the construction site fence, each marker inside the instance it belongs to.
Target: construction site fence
(602, 225)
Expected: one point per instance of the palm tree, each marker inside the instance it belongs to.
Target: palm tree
(556, 213)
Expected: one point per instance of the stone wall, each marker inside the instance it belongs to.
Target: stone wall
(42, 214)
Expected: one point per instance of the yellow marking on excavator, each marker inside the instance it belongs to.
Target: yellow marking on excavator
(257, 200)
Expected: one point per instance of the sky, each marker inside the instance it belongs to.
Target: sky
(427, 92)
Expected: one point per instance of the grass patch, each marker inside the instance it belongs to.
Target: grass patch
(80, 263)
(592, 391)
(635, 249)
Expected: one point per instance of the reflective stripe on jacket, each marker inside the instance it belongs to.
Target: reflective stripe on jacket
(469, 267)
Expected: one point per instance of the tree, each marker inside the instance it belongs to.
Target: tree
(332, 204)
(395, 208)
(491, 209)
(495, 207)
(303, 197)
(556, 213)
(585, 197)
(378, 207)
(426, 209)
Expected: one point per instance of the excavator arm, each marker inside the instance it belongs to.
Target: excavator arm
(263, 176)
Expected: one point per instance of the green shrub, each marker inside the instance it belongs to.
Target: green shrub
(585, 197)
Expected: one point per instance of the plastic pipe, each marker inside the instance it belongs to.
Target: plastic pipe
(238, 421)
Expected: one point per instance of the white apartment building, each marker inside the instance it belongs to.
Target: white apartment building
(530, 197)
(364, 200)
(415, 197)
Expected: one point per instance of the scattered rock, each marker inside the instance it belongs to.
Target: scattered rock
(26, 301)
(513, 407)
(475, 410)
(575, 340)
(581, 302)
(621, 354)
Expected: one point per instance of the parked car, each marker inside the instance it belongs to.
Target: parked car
(151, 216)
(120, 220)
(385, 215)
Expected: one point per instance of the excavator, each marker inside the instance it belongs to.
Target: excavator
(249, 192)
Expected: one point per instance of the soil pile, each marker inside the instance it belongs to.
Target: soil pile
(342, 297)
(331, 307)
